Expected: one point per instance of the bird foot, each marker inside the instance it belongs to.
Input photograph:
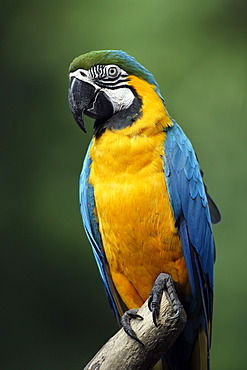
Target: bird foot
(163, 282)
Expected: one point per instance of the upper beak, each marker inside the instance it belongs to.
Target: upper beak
(85, 98)
(80, 96)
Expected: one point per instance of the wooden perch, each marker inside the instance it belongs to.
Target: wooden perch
(123, 352)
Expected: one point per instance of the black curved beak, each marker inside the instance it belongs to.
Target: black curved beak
(84, 98)
(80, 95)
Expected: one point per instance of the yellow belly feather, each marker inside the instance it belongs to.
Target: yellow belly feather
(133, 209)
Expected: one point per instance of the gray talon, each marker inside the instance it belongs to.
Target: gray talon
(163, 282)
(125, 321)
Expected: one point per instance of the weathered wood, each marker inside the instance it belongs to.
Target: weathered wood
(122, 352)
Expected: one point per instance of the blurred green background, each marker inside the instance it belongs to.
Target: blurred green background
(53, 307)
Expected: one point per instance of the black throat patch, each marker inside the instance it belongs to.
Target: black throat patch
(120, 119)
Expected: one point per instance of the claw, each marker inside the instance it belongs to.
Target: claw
(153, 305)
(176, 315)
(125, 321)
(163, 282)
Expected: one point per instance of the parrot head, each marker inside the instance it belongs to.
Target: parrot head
(100, 87)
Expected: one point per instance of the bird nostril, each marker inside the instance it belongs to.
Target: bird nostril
(83, 73)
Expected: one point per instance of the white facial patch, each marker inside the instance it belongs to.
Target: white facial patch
(121, 98)
(83, 75)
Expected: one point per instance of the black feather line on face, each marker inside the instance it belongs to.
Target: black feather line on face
(120, 119)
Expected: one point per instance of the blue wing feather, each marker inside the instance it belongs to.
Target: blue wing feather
(87, 206)
(189, 203)
(190, 208)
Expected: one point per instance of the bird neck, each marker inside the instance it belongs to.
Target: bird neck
(146, 116)
(137, 147)
(154, 117)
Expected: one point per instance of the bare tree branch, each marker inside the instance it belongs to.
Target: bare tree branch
(122, 352)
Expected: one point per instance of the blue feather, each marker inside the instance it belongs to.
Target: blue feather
(190, 208)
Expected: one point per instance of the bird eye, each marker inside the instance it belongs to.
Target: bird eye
(113, 72)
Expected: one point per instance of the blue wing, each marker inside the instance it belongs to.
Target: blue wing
(90, 222)
(191, 212)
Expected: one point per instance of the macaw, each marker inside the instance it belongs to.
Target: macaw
(145, 208)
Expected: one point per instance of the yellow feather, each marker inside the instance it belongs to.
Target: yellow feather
(132, 204)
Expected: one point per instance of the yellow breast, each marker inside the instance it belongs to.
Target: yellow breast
(132, 205)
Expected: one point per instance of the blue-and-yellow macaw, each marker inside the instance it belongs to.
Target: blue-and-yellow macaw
(144, 205)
